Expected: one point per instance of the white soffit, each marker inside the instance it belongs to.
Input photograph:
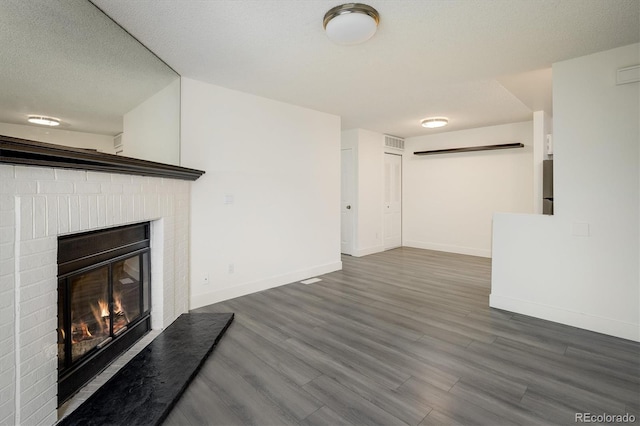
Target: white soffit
(533, 88)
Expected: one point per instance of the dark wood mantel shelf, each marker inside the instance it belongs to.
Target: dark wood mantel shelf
(471, 148)
(31, 153)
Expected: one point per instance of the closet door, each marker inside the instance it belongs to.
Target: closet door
(392, 201)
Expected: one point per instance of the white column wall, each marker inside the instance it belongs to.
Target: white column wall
(151, 131)
(370, 192)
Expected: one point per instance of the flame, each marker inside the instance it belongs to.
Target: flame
(85, 329)
(104, 308)
(101, 315)
(117, 304)
(102, 323)
(80, 331)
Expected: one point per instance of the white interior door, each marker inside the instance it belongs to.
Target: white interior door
(346, 202)
(392, 201)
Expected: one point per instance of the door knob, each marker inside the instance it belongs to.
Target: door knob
(348, 207)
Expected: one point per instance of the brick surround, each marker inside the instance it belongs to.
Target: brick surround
(36, 205)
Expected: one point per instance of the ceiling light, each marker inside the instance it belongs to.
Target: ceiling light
(43, 121)
(432, 123)
(351, 23)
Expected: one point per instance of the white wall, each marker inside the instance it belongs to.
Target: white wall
(102, 143)
(581, 266)
(449, 199)
(269, 203)
(369, 158)
(151, 131)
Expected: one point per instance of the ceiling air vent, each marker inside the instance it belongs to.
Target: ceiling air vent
(393, 142)
(117, 144)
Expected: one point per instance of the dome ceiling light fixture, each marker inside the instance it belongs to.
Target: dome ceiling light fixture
(351, 23)
(435, 122)
(43, 120)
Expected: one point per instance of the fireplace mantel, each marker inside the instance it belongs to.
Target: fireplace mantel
(31, 153)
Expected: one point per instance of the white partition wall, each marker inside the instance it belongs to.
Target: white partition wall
(581, 266)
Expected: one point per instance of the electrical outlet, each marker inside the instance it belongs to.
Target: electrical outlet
(232, 268)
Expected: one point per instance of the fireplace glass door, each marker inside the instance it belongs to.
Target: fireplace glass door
(103, 297)
(103, 302)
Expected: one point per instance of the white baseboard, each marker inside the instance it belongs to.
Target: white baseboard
(598, 324)
(367, 251)
(472, 251)
(204, 299)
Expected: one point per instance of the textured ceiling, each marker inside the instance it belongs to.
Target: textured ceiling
(472, 61)
(478, 62)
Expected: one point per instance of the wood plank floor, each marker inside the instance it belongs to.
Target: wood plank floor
(404, 337)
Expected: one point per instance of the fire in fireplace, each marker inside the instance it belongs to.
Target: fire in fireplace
(104, 300)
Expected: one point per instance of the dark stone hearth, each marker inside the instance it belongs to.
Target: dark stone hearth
(144, 391)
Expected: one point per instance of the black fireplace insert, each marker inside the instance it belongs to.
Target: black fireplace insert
(104, 300)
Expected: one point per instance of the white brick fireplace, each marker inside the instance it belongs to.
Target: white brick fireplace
(36, 205)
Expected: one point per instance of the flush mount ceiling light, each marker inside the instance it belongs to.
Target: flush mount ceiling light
(43, 120)
(351, 23)
(432, 123)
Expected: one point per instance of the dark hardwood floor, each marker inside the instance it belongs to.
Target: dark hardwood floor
(404, 337)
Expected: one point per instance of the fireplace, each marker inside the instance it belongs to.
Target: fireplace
(42, 202)
(104, 300)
